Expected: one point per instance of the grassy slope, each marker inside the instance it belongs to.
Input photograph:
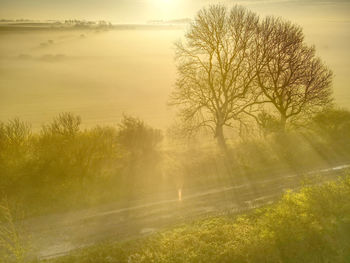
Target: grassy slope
(312, 225)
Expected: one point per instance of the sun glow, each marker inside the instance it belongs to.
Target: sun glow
(167, 9)
(163, 2)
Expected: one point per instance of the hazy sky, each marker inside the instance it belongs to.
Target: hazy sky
(139, 11)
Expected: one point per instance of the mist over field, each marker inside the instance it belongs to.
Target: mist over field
(102, 74)
(174, 131)
(98, 75)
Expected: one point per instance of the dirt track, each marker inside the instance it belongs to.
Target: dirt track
(56, 235)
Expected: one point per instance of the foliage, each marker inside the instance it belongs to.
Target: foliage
(332, 124)
(136, 137)
(66, 124)
(267, 123)
(13, 245)
(312, 225)
(63, 166)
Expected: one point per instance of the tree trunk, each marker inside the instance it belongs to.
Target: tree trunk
(220, 138)
(283, 122)
(226, 156)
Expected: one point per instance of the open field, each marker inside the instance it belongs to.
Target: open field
(100, 74)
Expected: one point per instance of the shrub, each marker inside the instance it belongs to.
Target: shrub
(136, 137)
(312, 225)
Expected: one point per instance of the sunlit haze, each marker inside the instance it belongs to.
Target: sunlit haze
(140, 11)
(173, 131)
(109, 60)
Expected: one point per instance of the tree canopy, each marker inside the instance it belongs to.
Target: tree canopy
(232, 64)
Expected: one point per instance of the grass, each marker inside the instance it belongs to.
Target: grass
(311, 225)
(13, 246)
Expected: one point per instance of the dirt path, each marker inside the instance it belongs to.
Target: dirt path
(56, 235)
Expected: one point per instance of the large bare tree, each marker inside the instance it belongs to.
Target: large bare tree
(290, 76)
(215, 69)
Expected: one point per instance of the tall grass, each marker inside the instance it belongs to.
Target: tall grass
(13, 245)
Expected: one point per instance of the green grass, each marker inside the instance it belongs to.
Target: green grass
(312, 225)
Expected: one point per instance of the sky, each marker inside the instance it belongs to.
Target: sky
(140, 11)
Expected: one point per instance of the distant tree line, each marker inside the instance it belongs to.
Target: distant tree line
(101, 24)
(83, 23)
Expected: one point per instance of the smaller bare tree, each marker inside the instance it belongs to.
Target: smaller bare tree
(290, 76)
(66, 124)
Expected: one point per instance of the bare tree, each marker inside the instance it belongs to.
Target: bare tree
(291, 78)
(215, 69)
(65, 124)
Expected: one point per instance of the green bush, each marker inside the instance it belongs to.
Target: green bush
(64, 167)
(312, 225)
